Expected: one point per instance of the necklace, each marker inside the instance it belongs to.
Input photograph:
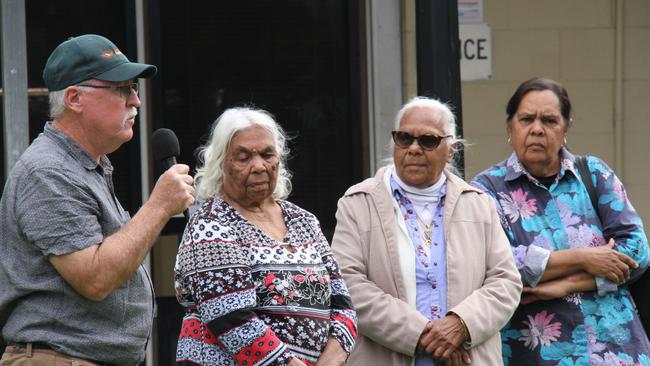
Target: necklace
(426, 229)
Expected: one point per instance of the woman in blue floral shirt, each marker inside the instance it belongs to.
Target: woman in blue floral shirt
(575, 307)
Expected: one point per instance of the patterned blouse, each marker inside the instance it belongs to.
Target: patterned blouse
(250, 300)
(596, 328)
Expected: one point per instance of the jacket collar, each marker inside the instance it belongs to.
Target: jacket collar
(456, 187)
(379, 189)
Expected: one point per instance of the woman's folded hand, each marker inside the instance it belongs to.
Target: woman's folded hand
(605, 261)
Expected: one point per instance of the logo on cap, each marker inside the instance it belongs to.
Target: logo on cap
(109, 53)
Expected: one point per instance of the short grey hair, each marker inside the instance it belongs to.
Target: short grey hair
(209, 175)
(448, 118)
(448, 123)
(57, 103)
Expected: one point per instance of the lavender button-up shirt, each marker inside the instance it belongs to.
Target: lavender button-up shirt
(430, 264)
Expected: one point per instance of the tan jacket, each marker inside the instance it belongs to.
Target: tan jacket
(378, 264)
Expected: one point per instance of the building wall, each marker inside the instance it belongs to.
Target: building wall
(636, 104)
(573, 42)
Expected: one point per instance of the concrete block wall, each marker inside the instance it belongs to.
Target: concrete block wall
(636, 105)
(572, 42)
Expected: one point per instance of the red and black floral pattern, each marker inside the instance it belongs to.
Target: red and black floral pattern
(250, 300)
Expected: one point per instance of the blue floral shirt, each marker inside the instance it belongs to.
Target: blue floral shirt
(595, 328)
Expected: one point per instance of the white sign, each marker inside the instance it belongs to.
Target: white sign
(470, 11)
(475, 51)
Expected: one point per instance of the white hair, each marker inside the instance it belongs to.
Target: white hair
(448, 123)
(448, 118)
(209, 175)
(57, 103)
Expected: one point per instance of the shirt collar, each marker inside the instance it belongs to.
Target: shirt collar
(76, 151)
(515, 169)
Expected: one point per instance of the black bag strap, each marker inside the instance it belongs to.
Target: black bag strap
(583, 170)
(639, 288)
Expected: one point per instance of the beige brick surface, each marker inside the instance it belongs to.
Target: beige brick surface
(597, 144)
(637, 13)
(587, 54)
(484, 105)
(636, 111)
(485, 151)
(592, 103)
(495, 13)
(560, 13)
(636, 53)
(636, 158)
(409, 54)
(519, 55)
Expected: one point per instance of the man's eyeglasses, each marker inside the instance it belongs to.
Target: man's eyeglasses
(427, 142)
(123, 90)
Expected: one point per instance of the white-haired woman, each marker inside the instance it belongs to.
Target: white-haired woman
(428, 267)
(254, 272)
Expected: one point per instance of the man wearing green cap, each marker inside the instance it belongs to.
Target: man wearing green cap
(72, 285)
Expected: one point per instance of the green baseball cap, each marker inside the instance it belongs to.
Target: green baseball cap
(90, 57)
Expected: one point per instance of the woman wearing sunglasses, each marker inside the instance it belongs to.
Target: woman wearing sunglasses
(427, 265)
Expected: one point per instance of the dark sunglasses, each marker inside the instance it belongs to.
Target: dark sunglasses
(427, 142)
(123, 90)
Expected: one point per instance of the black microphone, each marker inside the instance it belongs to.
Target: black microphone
(165, 148)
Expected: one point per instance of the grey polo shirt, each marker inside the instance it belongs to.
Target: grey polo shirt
(58, 200)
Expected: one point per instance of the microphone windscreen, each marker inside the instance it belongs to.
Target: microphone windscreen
(164, 144)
